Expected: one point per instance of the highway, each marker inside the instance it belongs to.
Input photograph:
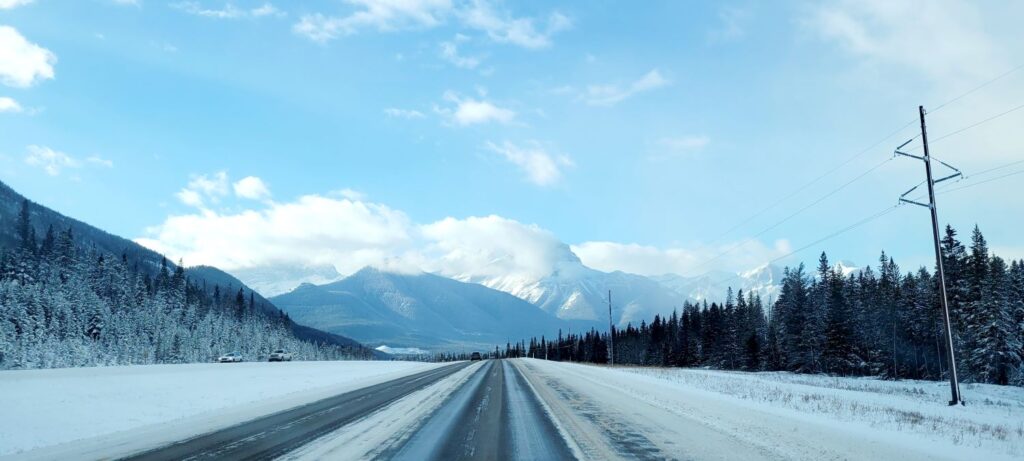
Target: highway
(273, 435)
(525, 409)
(493, 416)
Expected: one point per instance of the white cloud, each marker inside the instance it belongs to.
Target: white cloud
(393, 15)
(673, 147)
(346, 231)
(203, 189)
(9, 4)
(128, 2)
(490, 246)
(469, 111)
(732, 24)
(97, 160)
(504, 28)
(228, 11)
(540, 167)
(696, 260)
(350, 234)
(450, 53)
(266, 9)
(251, 187)
(9, 105)
(23, 64)
(945, 40)
(311, 230)
(383, 15)
(350, 194)
(941, 49)
(611, 94)
(403, 113)
(686, 142)
(51, 161)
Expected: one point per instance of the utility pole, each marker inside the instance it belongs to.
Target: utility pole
(954, 383)
(611, 330)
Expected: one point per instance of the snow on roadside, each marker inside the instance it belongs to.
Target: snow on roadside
(992, 420)
(111, 411)
(827, 416)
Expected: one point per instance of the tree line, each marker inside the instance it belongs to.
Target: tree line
(872, 322)
(64, 304)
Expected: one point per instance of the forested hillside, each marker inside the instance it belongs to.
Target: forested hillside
(68, 300)
(882, 322)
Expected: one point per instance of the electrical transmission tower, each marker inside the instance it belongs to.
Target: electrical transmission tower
(954, 384)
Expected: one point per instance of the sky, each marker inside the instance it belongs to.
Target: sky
(469, 136)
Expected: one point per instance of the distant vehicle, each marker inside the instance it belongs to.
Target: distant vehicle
(475, 356)
(280, 356)
(230, 357)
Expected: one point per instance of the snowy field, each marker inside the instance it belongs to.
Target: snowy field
(794, 416)
(106, 411)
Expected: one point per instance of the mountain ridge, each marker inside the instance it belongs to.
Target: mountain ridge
(416, 310)
(43, 217)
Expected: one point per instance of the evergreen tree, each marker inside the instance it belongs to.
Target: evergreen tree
(995, 338)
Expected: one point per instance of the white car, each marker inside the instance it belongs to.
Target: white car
(231, 357)
(280, 356)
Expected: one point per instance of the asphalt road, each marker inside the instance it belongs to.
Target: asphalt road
(493, 416)
(276, 434)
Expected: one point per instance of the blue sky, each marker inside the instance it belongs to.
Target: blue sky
(417, 132)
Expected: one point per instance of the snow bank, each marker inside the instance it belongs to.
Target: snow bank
(402, 350)
(111, 411)
(800, 416)
(992, 420)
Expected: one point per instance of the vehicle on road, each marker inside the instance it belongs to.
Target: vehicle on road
(280, 356)
(475, 356)
(230, 357)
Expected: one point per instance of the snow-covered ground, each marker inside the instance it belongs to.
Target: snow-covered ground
(402, 350)
(712, 414)
(107, 411)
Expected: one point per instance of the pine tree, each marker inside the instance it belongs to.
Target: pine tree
(973, 311)
(25, 231)
(1016, 295)
(996, 340)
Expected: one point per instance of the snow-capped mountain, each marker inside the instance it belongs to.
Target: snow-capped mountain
(575, 292)
(570, 292)
(764, 280)
(846, 268)
(421, 310)
(275, 280)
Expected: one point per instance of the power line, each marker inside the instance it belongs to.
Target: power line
(888, 210)
(980, 173)
(846, 162)
(793, 215)
(983, 85)
(973, 125)
(878, 215)
(971, 178)
(866, 150)
(861, 222)
(961, 130)
(883, 212)
(815, 180)
(982, 182)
